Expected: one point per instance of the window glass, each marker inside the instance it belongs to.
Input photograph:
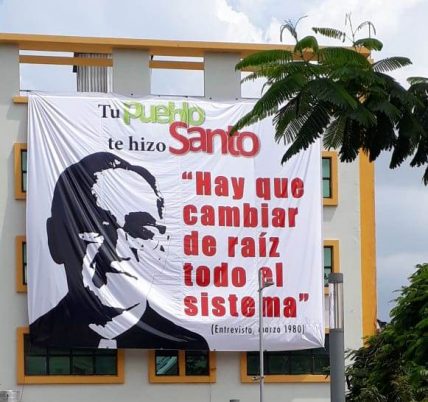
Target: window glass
(35, 365)
(24, 263)
(24, 170)
(197, 362)
(166, 362)
(55, 361)
(326, 178)
(301, 362)
(308, 361)
(277, 362)
(105, 365)
(59, 365)
(328, 263)
(83, 365)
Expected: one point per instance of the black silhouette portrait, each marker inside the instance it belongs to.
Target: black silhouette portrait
(107, 229)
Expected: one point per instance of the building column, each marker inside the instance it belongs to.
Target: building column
(221, 81)
(131, 72)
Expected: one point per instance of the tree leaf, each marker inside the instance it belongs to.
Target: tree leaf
(338, 56)
(392, 365)
(368, 24)
(391, 63)
(417, 80)
(290, 26)
(308, 42)
(409, 132)
(330, 33)
(269, 103)
(330, 91)
(282, 119)
(351, 143)
(368, 109)
(333, 134)
(311, 129)
(265, 57)
(369, 43)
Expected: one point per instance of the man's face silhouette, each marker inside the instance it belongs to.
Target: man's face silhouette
(136, 249)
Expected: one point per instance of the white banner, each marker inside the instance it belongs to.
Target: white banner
(147, 226)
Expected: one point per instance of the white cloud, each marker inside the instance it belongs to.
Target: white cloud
(386, 15)
(237, 24)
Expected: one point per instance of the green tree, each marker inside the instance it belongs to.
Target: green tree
(338, 93)
(393, 365)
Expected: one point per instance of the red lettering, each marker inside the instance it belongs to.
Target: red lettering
(232, 305)
(210, 134)
(274, 243)
(262, 245)
(207, 215)
(292, 213)
(201, 140)
(248, 306)
(198, 139)
(297, 187)
(289, 307)
(265, 215)
(228, 216)
(248, 247)
(188, 217)
(191, 306)
(202, 276)
(204, 304)
(233, 150)
(221, 186)
(232, 243)
(250, 216)
(253, 139)
(190, 243)
(278, 218)
(280, 187)
(209, 245)
(271, 306)
(203, 183)
(266, 273)
(263, 188)
(220, 275)
(239, 278)
(188, 268)
(279, 274)
(218, 306)
(180, 138)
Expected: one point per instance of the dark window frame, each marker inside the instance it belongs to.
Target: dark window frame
(24, 377)
(332, 178)
(181, 373)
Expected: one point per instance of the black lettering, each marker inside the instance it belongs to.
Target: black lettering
(104, 116)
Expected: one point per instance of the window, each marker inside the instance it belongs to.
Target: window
(329, 178)
(40, 365)
(178, 366)
(20, 151)
(328, 263)
(309, 365)
(331, 260)
(21, 264)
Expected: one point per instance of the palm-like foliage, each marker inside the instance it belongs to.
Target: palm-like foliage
(337, 93)
(393, 365)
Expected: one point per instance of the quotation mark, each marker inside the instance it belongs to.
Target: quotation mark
(303, 297)
(187, 176)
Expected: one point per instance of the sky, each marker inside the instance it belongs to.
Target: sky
(401, 198)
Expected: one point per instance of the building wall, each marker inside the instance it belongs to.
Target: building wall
(131, 77)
